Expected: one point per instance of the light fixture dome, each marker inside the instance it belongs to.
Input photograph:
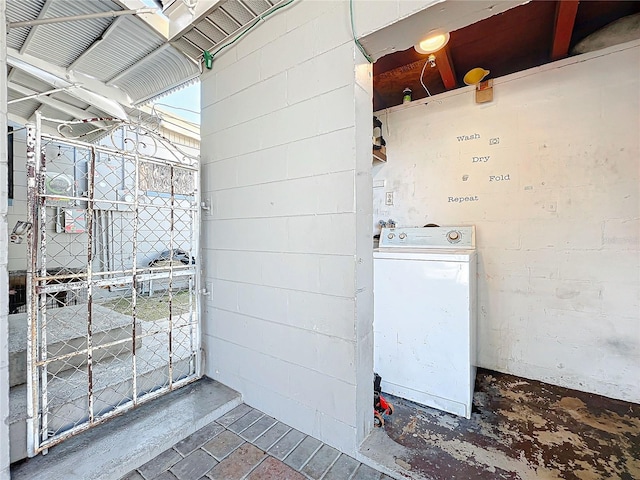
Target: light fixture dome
(432, 43)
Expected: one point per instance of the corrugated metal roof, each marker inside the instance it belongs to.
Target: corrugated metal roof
(17, 11)
(71, 39)
(109, 56)
(23, 109)
(116, 51)
(12, 95)
(166, 68)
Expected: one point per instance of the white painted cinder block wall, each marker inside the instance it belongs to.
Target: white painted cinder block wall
(285, 248)
(558, 242)
(286, 165)
(4, 281)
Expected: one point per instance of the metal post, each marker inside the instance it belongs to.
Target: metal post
(90, 205)
(32, 266)
(41, 311)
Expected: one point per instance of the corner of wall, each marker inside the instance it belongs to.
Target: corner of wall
(4, 282)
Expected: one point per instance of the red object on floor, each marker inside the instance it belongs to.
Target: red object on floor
(380, 407)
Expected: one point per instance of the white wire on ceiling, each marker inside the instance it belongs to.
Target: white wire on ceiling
(421, 75)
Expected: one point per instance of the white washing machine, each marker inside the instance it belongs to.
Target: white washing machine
(425, 315)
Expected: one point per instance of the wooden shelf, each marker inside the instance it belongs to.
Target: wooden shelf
(380, 154)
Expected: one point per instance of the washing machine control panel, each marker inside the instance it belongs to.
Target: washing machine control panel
(429, 237)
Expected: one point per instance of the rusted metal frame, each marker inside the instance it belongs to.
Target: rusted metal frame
(183, 272)
(33, 394)
(172, 200)
(125, 278)
(186, 270)
(147, 131)
(69, 276)
(90, 212)
(196, 312)
(91, 282)
(102, 346)
(41, 312)
(59, 287)
(83, 351)
(128, 154)
(113, 413)
(134, 276)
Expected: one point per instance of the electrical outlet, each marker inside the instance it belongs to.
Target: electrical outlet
(388, 199)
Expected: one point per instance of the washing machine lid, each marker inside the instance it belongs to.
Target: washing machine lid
(450, 238)
(425, 254)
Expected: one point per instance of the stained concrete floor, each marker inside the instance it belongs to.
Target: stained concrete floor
(246, 444)
(519, 430)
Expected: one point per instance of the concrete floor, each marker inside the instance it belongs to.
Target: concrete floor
(519, 429)
(247, 444)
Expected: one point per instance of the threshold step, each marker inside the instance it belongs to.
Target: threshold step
(112, 386)
(67, 333)
(111, 450)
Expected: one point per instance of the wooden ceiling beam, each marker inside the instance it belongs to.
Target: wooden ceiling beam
(566, 11)
(444, 62)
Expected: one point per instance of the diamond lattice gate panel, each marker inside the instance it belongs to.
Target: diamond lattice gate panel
(113, 304)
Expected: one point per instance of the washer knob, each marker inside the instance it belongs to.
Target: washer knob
(453, 236)
(390, 236)
(402, 236)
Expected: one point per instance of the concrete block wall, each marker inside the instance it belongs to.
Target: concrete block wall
(286, 246)
(286, 168)
(17, 210)
(4, 280)
(549, 174)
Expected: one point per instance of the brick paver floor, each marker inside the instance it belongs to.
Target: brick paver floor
(246, 444)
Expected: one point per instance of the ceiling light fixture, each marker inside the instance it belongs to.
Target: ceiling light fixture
(433, 43)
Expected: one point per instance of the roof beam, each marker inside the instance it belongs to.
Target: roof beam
(445, 67)
(115, 24)
(52, 102)
(89, 90)
(566, 11)
(77, 18)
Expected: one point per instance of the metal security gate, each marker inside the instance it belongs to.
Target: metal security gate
(113, 275)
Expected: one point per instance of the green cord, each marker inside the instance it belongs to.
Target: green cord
(353, 30)
(247, 30)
